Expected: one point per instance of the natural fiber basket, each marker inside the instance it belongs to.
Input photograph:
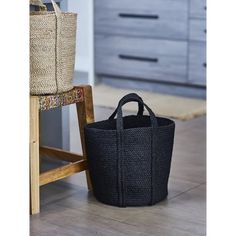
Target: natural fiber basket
(52, 49)
(130, 157)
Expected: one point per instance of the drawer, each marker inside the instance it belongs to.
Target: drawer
(197, 63)
(147, 18)
(198, 8)
(147, 59)
(197, 30)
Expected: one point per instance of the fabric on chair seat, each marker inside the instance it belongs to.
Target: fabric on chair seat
(47, 102)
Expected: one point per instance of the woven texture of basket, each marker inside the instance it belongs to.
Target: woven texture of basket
(52, 49)
(130, 157)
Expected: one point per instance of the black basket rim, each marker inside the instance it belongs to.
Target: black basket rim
(90, 126)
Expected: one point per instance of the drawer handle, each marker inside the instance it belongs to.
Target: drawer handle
(136, 58)
(205, 31)
(204, 64)
(141, 16)
(205, 8)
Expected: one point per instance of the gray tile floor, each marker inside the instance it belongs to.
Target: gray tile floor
(67, 209)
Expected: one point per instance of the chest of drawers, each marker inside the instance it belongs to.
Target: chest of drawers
(151, 41)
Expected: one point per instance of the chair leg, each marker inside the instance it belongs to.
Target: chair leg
(34, 156)
(85, 115)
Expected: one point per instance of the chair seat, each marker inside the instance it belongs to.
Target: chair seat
(47, 102)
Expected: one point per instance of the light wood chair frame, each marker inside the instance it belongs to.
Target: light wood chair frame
(76, 162)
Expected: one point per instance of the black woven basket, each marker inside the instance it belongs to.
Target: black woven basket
(129, 157)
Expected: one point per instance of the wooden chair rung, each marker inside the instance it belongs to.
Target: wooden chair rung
(60, 154)
(62, 172)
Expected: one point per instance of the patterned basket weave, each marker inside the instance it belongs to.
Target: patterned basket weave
(52, 50)
(129, 158)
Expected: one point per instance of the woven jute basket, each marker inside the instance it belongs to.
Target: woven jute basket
(129, 158)
(52, 49)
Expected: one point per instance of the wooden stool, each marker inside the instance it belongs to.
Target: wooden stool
(82, 97)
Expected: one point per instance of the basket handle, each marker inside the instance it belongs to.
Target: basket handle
(121, 149)
(43, 7)
(39, 4)
(56, 8)
(129, 98)
(134, 98)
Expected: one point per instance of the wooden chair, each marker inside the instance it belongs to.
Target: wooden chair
(82, 97)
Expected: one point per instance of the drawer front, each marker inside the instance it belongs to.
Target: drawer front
(147, 18)
(197, 63)
(147, 59)
(198, 8)
(197, 30)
